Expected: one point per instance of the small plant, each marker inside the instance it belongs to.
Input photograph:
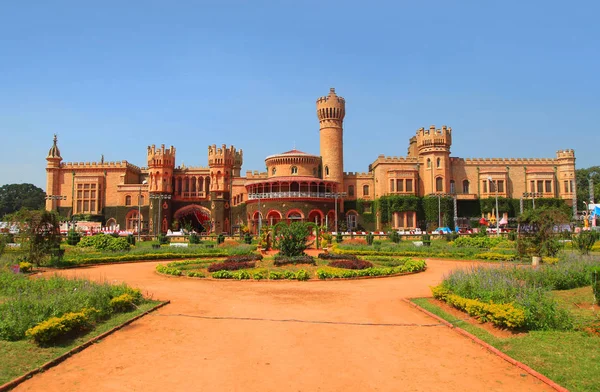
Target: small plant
(291, 239)
(426, 238)
(394, 236)
(163, 239)
(351, 264)
(339, 237)
(596, 283)
(131, 239)
(220, 239)
(370, 237)
(194, 239)
(25, 267)
(584, 242)
(73, 237)
(248, 238)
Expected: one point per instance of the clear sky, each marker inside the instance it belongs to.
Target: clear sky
(512, 78)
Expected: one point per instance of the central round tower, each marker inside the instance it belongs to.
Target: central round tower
(331, 111)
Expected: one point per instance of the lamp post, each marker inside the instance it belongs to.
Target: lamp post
(259, 217)
(160, 197)
(336, 195)
(497, 210)
(532, 195)
(139, 228)
(439, 196)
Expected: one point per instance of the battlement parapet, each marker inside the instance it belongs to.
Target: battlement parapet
(503, 161)
(225, 156)
(358, 175)
(255, 175)
(432, 137)
(331, 107)
(161, 156)
(387, 159)
(100, 165)
(565, 154)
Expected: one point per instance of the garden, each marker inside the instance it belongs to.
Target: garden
(43, 318)
(551, 311)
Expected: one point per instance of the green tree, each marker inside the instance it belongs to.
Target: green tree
(13, 197)
(583, 185)
(39, 231)
(291, 239)
(538, 228)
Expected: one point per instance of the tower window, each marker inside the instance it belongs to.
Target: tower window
(452, 187)
(365, 190)
(294, 170)
(439, 162)
(351, 190)
(428, 163)
(439, 184)
(273, 171)
(326, 171)
(127, 200)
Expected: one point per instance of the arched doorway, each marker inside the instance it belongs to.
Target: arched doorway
(193, 217)
(316, 216)
(133, 220)
(273, 217)
(294, 216)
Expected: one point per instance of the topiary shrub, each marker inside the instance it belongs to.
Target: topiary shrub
(370, 237)
(163, 239)
(220, 239)
(339, 237)
(73, 237)
(131, 239)
(194, 239)
(247, 238)
(291, 239)
(426, 238)
(394, 236)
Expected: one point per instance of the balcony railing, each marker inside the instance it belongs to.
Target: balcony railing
(191, 195)
(290, 194)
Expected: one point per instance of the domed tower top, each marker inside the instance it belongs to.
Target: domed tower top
(331, 107)
(54, 157)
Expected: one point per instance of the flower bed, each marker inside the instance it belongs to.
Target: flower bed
(411, 266)
(354, 264)
(231, 266)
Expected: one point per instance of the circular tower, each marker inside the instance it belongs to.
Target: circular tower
(331, 111)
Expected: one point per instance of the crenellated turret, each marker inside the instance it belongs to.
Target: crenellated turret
(434, 139)
(224, 163)
(161, 163)
(433, 148)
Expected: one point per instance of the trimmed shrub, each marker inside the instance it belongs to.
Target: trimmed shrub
(56, 328)
(104, 242)
(302, 275)
(426, 238)
(354, 264)
(394, 236)
(247, 238)
(123, 303)
(194, 239)
(131, 239)
(285, 260)
(195, 274)
(409, 266)
(339, 237)
(584, 242)
(163, 239)
(73, 237)
(25, 267)
(220, 239)
(370, 237)
(231, 266)
(259, 275)
(163, 269)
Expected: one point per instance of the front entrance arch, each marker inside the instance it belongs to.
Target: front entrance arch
(194, 215)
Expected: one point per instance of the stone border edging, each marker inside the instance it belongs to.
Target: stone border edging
(15, 382)
(491, 348)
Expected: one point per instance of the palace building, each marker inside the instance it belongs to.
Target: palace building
(297, 185)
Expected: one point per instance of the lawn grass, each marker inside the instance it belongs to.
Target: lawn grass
(20, 357)
(570, 358)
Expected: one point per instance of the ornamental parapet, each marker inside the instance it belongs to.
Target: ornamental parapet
(100, 165)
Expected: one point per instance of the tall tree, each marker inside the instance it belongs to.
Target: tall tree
(13, 197)
(39, 231)
(583, 185)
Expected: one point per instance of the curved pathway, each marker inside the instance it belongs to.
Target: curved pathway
(282, 336)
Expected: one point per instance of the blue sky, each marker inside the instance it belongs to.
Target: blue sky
(512, 78)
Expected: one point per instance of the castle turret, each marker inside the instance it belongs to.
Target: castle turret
(433, 147)
(331, 111)
(565, 172)
(224, 163)
(161, 163)
(52, 176)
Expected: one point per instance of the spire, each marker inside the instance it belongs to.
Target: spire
(54, 152)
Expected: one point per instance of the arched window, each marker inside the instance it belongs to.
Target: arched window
(452, 187)
(326, 171)
(466, 186)
(439, 184)
(365, 190)
(439, 162)
(428, 163)
(274, 170)
(351, 190)
(127, 200)
(294, 170)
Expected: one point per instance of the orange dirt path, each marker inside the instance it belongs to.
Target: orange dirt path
(282, 336)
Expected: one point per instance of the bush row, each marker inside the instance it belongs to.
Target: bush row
(56, 328)
(171, 270)
(104, 242)
(242, 258)
(286, 260)
(259, 275)
(354, 264)
(231, 266)
(337, 256)
(596, 283)
(409, 266)
(495, 256)
(134, 257)
(502, 315)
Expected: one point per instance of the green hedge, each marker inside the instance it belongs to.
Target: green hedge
(409, 266)
(135, 257)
